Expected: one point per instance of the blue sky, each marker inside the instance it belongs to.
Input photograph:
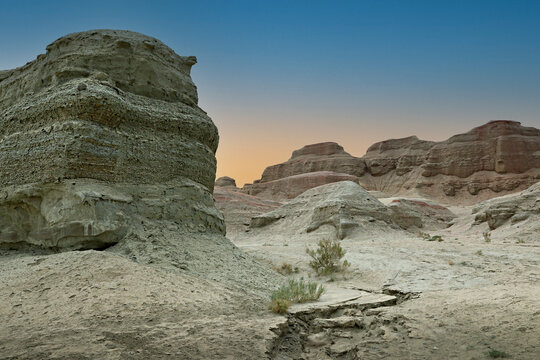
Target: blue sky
(276, 75)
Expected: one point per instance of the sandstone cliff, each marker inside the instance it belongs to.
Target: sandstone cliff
(493, 159)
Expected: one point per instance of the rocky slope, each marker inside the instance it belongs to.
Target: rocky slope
(493, 159)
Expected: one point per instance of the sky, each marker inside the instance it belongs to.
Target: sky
(277, 75)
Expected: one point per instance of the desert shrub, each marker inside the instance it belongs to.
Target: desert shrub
(496, 354)
(436, 238)
(279, 306)
(487, 236)
(326, 259)
(286, 269)
(295, 291)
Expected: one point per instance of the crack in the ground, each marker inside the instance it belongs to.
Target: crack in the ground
(343, 331)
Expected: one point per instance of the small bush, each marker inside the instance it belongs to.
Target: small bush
(286, 269)
(327, 258)
(487, 236)
(496, 354)
(479, 252)
(295, 291)
(279, 306)
(436, 238)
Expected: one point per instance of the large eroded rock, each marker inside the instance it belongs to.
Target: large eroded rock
(102, 145)
(99, 132)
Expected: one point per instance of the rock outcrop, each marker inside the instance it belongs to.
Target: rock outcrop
(328, 157)
(510, 209)
(292, 186)
(410, 213)
(491, 160)
(225, 181)
(345, 205)
(102, 143)
(239, 208)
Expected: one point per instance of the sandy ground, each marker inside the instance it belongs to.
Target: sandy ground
(465, 298)
(454, 299)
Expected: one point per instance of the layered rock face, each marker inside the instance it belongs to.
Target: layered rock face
(100, 130)
(493, 159)
(327, 156)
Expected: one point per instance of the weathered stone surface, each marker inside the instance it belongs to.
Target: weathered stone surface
(239, 208)
(225, 181)
(510, 209)
(408, 213)
(292, 186)
(344, 205)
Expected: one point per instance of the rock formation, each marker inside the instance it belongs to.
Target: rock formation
(344, 205)
(491, 160)
(329, 157)
(239, 208)
(510, 209)
(225, 181)
(102, 143)
(409, 213)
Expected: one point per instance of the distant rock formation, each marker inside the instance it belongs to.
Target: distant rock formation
(225, 181)
(493, 159)
(239, 208)
(329, 157)
(102, 143)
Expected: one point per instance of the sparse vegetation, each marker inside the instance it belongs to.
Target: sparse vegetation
(286, 269)
(295, 291)
(496, 354)
(428, 237)
(436, 238)
(479, 252)
(326, 259)
(487, 236)
(521, 241)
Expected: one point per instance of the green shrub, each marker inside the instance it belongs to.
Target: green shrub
(487, 236)
(436, 238)
(326, 259)
(496, 354)
(295, 291)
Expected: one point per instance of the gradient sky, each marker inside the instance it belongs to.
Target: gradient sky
(276, 75)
